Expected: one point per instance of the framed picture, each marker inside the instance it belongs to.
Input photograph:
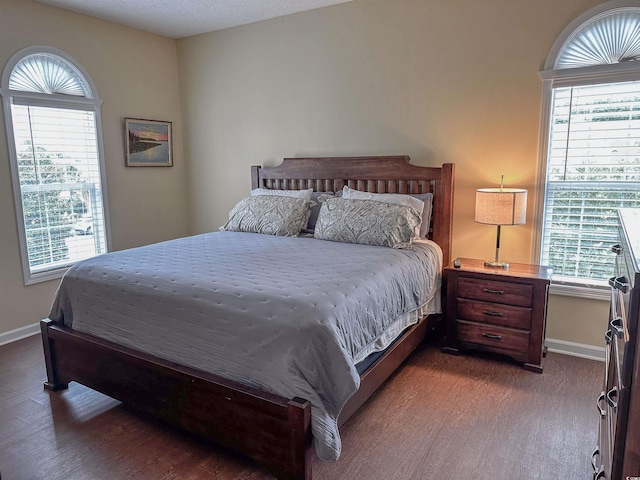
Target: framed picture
(148, 143)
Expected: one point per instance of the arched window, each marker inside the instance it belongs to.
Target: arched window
(590, 145)
(52, 117)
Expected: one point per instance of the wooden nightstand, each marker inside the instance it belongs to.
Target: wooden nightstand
(497, 310)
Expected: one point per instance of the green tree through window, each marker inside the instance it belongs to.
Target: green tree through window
(45, 211)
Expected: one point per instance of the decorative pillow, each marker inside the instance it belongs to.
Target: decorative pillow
(306, 194)
(396, 198)
(270, 214)
(367, 222)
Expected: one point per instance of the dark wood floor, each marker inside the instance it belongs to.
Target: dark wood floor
(440, 417)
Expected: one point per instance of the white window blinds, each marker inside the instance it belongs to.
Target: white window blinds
(45, 73)
(593, 169)
(59, 184)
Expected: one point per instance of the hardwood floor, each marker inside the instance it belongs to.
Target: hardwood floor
(440, 417)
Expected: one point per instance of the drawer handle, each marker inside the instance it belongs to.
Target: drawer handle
(616, 326)
(490, 290)
(492, 336)
(612, 393)
(599, 474)
(599, 405)
(492, 314)
(594, 457)
(619, 283)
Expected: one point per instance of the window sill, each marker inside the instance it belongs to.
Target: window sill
(39, 277)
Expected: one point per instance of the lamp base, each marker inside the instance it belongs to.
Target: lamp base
(490, 264)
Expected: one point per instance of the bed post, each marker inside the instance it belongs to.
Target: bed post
(52, 383)
(255, 177)
(443, 210)
(301, 439)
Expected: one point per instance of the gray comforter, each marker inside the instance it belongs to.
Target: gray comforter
(288, 315)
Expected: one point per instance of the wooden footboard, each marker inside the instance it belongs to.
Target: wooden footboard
(270, 429)
(274, 431)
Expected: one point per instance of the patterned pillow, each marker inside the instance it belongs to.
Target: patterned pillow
(269, 214)
(367, 222)
(420, 201)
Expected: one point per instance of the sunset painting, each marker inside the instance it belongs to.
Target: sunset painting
(148, 143)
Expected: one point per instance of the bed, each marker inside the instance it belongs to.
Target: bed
(232, 410)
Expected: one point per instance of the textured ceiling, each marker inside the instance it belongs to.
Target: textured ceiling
(182, 18)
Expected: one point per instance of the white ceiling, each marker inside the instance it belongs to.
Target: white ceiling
(182, 18)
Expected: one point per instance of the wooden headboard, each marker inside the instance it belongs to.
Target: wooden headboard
(380, 174)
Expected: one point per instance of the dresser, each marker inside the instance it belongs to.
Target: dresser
(497, 310)
(617, 455)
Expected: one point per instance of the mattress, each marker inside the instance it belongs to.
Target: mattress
(289, 315)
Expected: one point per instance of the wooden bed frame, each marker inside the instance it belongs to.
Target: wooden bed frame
(274, 431)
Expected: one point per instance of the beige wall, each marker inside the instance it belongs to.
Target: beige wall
(136, 76)
(579, 320)
(440, 80)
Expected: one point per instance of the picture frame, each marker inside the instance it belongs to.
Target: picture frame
(148, 143)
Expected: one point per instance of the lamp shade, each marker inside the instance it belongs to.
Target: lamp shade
(501, 206)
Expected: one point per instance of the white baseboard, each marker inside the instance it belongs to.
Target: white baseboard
(557, 346)
(19, 333)
(575, 349)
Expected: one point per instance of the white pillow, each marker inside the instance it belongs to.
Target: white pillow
(394, 198)
(306, 194)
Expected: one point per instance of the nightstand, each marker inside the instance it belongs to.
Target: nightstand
(497, 310)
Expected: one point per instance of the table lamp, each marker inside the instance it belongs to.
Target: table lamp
(500, 206)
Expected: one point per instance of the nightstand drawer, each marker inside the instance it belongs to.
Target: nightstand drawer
(493, 291)
(498, 338)
(494, 314)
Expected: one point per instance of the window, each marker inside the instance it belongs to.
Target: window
(52, 118)
(590, 145)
